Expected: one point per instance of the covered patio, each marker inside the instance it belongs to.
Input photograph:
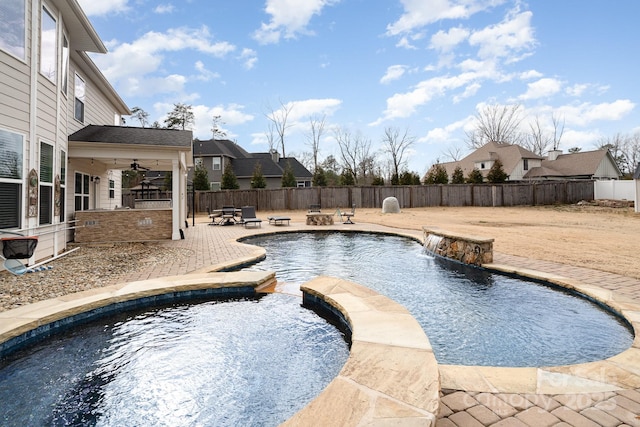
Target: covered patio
(98, 154)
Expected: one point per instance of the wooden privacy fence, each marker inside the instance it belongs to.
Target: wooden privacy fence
(413, 196)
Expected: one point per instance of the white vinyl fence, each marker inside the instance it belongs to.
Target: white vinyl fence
(615, 190)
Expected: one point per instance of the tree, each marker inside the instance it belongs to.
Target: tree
(437, 175)
(496, 123)
(574, 150)
(181, 117)
(229, 179)
(409, 178)
(216, 130)
(200, 178)
(395, 145)
(346, 178)
(355, 152)
(288, 177)
(377, 180)
(316, 129)
(258, 180)
(475, 177)
(539, 141)
(140, 115)
(279, 119)
(319, 177)
(497, 174)
(457, 177)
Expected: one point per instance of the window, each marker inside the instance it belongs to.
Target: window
(525, 163)
(214, 186)
(48, 46)
(217, 163)
(11, 158)
(81, 192)
(13, 27)
(65, 64)
(481, 165)
(46, 183)
(112, 189)
(79, 92)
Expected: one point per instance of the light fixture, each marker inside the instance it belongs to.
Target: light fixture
(92, 161)
(95, 179)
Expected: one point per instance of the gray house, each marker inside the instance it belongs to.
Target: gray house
(215, 154)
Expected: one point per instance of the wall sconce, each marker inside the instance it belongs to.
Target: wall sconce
(95, 179)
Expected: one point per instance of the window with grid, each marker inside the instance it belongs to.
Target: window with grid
(81, 191)
(11, 164)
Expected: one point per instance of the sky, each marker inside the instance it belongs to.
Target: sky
(425, 67)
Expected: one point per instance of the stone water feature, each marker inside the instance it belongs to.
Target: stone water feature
(465, 249)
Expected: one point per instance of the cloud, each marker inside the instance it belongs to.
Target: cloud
(288, 19)
(444, 134)
(418, 13)
(99, 8)
(394, 72)
(513, 35)
(445, 41)
(402, 105)
(164, 8)
(541, 89)
(249, 58)
(204, 74)
(129, 62)
(587, 113)
(302, 110)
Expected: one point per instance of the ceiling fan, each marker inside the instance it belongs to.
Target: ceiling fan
(136, 166)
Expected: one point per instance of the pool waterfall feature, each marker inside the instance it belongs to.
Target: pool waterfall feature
(465, 249)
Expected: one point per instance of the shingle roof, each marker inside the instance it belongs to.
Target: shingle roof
(243, 168)
(133, 135)
(219, 147)
(509, 155)
(298, 169)
(570, 165)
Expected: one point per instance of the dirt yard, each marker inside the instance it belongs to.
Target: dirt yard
(602, 238)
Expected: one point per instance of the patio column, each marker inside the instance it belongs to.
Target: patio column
(175, 200)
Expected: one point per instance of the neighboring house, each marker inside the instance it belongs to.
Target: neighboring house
(597, 165)
(61, 145)
(215, 154)
(521, 164)
(516, 161)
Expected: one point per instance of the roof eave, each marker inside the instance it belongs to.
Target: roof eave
(83, 36)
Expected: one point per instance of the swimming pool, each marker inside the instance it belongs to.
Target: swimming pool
(250, 361)
(471, 316)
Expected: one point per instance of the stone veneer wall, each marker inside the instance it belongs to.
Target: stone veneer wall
(466, 249)
(125, 225)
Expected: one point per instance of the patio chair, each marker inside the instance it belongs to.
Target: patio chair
(228, 215)
(249, 217)
(216, 216)
(314, 208)
(14, 249)
(347, 215)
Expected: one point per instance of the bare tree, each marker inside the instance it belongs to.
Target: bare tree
(616, 146)
(279, 118)
(271, 137)
(496, 123)
(395, 144)
(558, 131)
(216, 130)
(140, 115)
(453, 152)
(633, 151)
(355, 152)
(538, 141)
(316, 129)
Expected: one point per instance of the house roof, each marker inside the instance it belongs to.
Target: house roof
(298, 168)
(571, 165)
(219, 147)
(243, 168)
(83, 36)
(133, 136)
(509, 154)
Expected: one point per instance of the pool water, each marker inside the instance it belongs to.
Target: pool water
(249, 362)
(471, 316)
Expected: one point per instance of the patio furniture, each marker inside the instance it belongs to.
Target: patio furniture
(314, 208)
(14, 249)
(347, 215)
(248, 217)
(279, 220)
(317, 218)
(228, 215)
(215, 215)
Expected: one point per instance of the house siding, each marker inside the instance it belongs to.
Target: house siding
(606, 170)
